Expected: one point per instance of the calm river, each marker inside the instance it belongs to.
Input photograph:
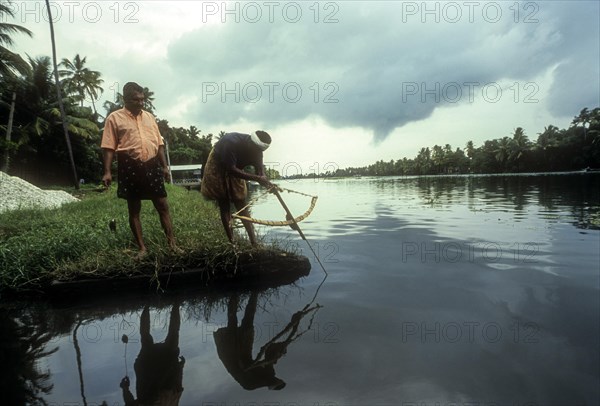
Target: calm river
(439, 291)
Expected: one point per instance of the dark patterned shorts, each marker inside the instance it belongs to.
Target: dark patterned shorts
(140, 180)
(218, 185)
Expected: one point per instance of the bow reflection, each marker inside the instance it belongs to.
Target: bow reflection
(35, 339)
(235, 344)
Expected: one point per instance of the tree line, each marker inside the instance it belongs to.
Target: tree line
(32, 142)
(554, 150)
(33, 145)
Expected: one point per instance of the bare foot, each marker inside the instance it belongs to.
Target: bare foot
(141, 254)
(175, 249)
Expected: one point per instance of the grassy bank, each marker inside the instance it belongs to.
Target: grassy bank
(75, 241)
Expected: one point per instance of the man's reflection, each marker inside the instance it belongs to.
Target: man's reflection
(158, 367)
(235, 343)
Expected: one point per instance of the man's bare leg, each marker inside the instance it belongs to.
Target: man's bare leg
(162, 207)
(224, 208)
(134, 207)
(239, 204)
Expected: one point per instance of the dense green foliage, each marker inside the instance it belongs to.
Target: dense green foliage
(571, 149)
(10, 61)
(37, 150)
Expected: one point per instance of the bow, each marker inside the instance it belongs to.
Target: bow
(289, 221)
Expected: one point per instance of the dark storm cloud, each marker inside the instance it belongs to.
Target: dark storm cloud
(577, 77)
(383, 65)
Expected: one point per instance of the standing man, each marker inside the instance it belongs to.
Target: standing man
(224, 178)
(133, 134)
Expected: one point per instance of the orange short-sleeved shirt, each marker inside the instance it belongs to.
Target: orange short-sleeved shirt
(137, 135)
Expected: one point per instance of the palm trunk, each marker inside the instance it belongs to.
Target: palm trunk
(5, 166)
(93, 105)
(59, 97)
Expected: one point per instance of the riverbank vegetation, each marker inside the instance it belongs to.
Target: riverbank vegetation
(75, 241)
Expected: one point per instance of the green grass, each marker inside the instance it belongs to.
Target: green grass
(74, 241)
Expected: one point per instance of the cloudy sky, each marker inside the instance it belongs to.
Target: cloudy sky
(339, 83)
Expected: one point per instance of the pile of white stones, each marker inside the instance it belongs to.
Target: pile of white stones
(17, 194)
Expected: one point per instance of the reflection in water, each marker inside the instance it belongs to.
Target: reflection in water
(23, 341)
(26, 340)
(235, 345)
(579, 194)
(497, 275)
(158, 367)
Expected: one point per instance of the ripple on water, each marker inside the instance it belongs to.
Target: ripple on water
(496, 275)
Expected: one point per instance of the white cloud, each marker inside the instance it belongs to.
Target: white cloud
(375, 61)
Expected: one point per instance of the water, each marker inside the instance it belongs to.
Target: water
(439, 290)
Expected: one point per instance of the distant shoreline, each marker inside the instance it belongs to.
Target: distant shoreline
(579, 172)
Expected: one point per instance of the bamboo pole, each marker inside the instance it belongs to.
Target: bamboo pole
(295, 226)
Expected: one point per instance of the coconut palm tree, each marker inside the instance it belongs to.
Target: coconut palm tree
(148, 99)
(59, 97)
(81, 81)
(547, 141)
(40, 114)
(437, 158)
(519, 146)
(10, 61)
(221, 133)
(549, 138)
(35, 91)
(423, 161)
(449, 162)
(38, 126)
(470, 149)
(502, 151)
(583, 118)
(111, 106)
(193, 131)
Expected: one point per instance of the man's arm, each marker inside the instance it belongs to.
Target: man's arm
(109, 144)
(229, 160)
(127, 395)
(262, 174)
(163, 162)
(107, 158)
(238, 173)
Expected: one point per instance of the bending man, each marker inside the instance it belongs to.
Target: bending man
(142, 167)
(224, 178)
